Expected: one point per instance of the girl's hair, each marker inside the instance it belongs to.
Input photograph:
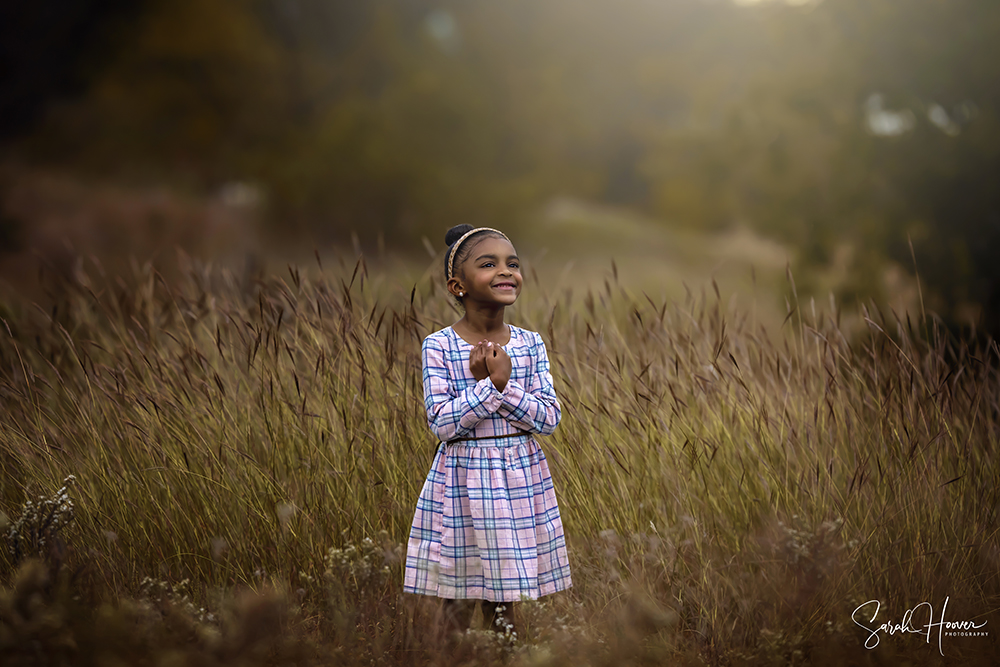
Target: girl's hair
(463, 251)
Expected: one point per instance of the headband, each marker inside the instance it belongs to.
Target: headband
(454, 247)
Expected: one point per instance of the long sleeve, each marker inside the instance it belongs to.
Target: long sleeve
(452, 414)
(534, 408)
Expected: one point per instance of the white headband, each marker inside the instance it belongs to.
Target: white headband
(454, 247)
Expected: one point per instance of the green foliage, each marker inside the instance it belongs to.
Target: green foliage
(403, 118)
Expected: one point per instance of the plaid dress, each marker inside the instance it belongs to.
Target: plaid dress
(487, 525)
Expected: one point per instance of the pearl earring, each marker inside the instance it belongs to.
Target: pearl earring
(461, 293)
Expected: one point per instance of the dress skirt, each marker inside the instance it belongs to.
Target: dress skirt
(487, 525)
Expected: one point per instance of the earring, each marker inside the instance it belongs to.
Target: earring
(461, 293)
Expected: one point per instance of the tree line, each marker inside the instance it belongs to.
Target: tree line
(865, 124)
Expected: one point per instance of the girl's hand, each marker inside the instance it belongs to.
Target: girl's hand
(498, 364)
(477, 361)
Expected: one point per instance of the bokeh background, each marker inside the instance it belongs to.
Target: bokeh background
(854, 144)
(221, 239)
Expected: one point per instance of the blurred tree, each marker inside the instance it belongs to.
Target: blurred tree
(46, 48)
(853, 122)
(196, 87)
(939, 61)
(843, 126)
(929, 175)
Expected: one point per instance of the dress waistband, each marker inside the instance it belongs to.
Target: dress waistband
(499, 440)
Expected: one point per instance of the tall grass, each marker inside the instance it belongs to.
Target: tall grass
(728, 497)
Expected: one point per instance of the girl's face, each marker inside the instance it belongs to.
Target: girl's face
(491, 274)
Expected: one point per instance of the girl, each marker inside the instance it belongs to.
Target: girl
(487, 526)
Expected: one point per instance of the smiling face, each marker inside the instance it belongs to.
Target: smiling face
(490, 274)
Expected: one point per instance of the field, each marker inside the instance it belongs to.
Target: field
(245, 456)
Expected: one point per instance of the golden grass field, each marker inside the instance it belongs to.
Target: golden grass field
(246, 457)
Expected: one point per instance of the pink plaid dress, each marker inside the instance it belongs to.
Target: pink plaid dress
(487, 525)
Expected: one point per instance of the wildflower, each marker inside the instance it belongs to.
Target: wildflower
(38, 528)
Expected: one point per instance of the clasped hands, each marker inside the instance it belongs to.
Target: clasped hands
(488, 360)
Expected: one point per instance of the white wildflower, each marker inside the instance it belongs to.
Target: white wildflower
(40, 524)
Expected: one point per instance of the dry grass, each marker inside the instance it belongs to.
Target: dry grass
(247, 460)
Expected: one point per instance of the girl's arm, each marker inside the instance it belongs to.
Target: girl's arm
(452, 415)
(535, 408)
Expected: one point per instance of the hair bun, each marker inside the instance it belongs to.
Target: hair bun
(455, 233)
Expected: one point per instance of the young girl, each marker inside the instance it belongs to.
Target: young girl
(486, 526)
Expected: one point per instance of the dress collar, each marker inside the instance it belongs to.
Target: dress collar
(514, 333)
